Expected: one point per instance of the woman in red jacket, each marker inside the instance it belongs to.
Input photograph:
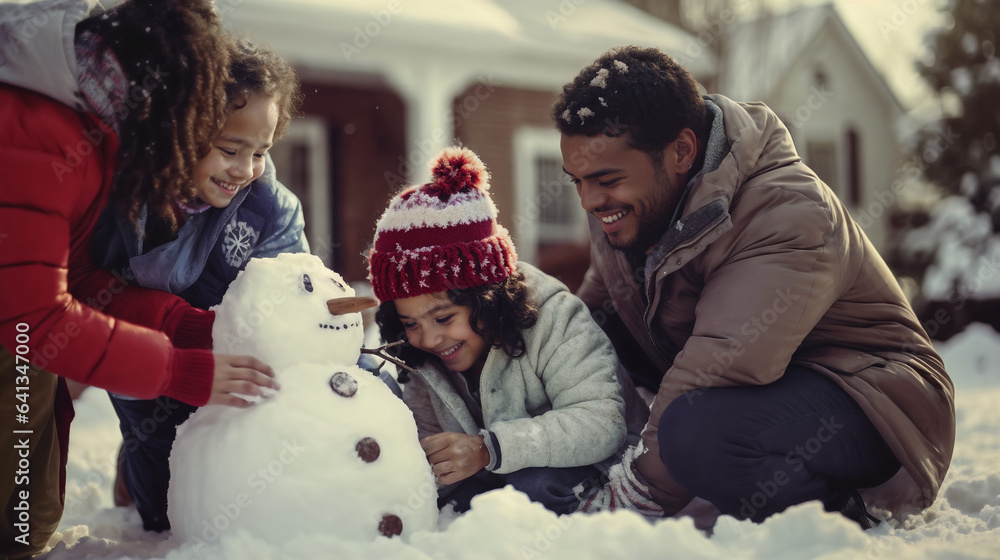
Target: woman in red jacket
(132, 99)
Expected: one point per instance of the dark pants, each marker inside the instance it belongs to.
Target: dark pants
(754, 451)
(148, 430)
(551, 487)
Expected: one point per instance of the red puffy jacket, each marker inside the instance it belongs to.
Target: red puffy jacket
(56, 167)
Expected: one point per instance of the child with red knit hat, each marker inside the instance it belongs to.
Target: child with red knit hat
(515, 383)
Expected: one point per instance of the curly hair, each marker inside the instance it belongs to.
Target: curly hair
(257, 71)
(642, 93)
(498, 312)
(176, 58)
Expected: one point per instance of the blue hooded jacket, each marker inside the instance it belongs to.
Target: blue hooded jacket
(212, 247)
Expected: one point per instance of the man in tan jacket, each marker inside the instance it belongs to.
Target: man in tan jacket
(786, 363)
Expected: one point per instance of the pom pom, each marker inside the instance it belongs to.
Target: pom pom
(457, 169)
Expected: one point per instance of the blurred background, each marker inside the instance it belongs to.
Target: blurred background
(894, 103)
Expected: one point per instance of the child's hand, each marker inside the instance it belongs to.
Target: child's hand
(454, 456)
(244, 375)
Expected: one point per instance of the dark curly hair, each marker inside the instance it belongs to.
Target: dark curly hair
(641, 93)
(257, 71)
(176, 58)
(498, 313)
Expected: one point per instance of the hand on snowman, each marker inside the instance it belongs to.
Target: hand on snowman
(454, 456)
(243, 375)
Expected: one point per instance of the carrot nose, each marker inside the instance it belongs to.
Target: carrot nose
(343, 306)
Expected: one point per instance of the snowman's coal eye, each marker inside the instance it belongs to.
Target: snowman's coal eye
(307, 283)
(339, 285)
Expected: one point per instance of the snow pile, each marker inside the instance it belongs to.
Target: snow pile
(964, 522)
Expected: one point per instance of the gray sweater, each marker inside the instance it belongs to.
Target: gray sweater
(559, 405)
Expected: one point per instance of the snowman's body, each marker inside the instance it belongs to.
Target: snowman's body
(333, 452)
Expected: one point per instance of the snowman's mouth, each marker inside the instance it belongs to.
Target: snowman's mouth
(340, 327)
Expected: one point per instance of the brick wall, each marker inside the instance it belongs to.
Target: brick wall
(367, 147)
(366, 139)
(486, 119)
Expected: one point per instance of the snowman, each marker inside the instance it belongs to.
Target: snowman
(333, 452)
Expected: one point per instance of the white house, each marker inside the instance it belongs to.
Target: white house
(807, 66)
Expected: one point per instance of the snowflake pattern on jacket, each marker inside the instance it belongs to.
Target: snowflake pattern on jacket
(239, 242)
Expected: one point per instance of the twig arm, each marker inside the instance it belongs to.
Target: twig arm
(381, 353)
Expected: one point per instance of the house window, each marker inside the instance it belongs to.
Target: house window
(557, 201)
(853, 167)
(821, 156)
(819, 79)
(301, 160)
(547, 206)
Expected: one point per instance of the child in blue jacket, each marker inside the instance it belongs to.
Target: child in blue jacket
(241, 212)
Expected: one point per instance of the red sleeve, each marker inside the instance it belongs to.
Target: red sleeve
(110, 293)
(55, 173)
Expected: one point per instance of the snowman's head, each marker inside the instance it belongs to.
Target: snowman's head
(289, 310)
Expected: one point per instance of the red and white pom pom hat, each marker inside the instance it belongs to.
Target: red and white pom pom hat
(442, 235)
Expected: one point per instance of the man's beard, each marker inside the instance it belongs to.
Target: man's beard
(653, 215)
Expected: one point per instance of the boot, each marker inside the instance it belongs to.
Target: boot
(852, 506)
(121, 495)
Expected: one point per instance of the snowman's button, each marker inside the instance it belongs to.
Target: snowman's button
(368, 449)
(391, 525)
(344, 384)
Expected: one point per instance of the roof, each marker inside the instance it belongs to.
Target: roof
(758, 53)
(517, 41)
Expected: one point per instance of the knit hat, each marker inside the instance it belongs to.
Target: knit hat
(441, 235)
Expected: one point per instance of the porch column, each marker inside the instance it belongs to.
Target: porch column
(429, 91)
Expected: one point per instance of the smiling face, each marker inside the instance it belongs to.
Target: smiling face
(436, 325)
(236, 157)
(633, 197)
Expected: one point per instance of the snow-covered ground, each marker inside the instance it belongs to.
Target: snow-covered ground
(964, 523)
